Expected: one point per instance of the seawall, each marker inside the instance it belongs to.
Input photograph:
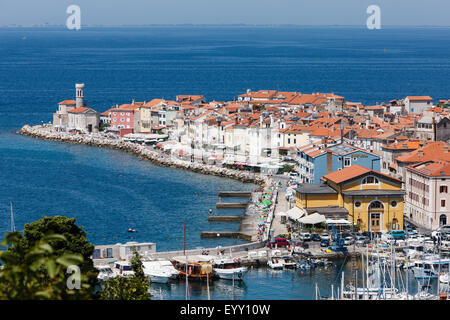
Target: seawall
(156, 157)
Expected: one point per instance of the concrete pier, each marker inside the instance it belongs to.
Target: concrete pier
(225, 205)
(225, 234)
(225, 218)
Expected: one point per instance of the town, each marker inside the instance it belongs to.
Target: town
(338, 180)
(377, 166)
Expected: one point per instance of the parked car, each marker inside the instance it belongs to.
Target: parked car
(325, 236)
(348, 240)
(324, 242)
(398, 234)
(315, 237)
(302, 244)
(305, 236)
(284, 235)
(361, 241)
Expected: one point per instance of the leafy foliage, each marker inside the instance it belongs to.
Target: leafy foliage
(38, 271)
(74, 242)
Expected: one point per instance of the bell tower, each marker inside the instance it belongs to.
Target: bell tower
(79, 89)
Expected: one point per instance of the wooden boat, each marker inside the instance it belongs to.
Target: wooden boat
(197, 267)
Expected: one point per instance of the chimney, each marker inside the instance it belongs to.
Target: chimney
(420, 153)
(434, 129)
(367, 124)
(329, 161)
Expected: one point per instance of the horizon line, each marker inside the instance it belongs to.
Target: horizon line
(46, 25)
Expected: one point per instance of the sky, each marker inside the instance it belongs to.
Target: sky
(299, 12)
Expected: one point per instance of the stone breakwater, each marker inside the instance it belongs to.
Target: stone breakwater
(154, 156)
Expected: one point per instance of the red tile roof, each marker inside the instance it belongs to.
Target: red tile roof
(351, 173)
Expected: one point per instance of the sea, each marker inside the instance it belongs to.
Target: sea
(109, 191)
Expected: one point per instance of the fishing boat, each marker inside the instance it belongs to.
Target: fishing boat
(228, 268)
(196, 267)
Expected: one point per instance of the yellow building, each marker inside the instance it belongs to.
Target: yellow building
(365, 197)
(145, 115)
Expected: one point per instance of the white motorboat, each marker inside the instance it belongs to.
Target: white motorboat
(228, 268)
(162, 265)
(123, 269)
(157, 276)
(428, 269)
(289, 263)
(275, 263)
(444, 278)
(105, 272)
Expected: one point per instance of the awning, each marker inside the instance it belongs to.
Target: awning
(295, 213)
(312, 219)
(339, 221)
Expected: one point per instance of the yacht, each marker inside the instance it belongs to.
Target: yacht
(428, 269)
(162, 265)
(289, 262)
(228, 268)
(123, 269)
(105, 272)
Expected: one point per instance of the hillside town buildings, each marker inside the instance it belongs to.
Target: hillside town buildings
(377, 163)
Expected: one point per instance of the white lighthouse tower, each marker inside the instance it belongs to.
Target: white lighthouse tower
(79, 88)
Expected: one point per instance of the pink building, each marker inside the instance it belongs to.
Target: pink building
(122, 117)
(427, 199)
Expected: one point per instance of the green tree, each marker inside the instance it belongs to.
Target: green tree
(38, 272)
(134, 288)
(73, 242)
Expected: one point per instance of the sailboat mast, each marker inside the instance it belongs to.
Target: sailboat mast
(13, 228)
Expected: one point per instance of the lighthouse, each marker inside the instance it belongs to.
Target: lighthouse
(79, 89)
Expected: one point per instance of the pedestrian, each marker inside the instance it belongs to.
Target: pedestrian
(210, 212)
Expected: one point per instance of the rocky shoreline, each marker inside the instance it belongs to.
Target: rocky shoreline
(156, 157)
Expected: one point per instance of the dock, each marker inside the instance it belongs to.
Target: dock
(237, 194)
(229, 205)
(225, 218)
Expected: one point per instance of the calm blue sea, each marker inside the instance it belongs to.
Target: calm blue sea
(109, 191)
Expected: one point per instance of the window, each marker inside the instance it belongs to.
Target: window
(289, 141)
(376, 205)
(121, 113)
(393, 203)
(357, 204)
(443, 189)
(122, 120)
(347, 162)
(295, 141)
(370, 180)
(442, 203)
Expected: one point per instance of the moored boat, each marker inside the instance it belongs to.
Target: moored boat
(196, 267)
(228, 268)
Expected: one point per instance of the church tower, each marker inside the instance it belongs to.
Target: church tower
(79, 88)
